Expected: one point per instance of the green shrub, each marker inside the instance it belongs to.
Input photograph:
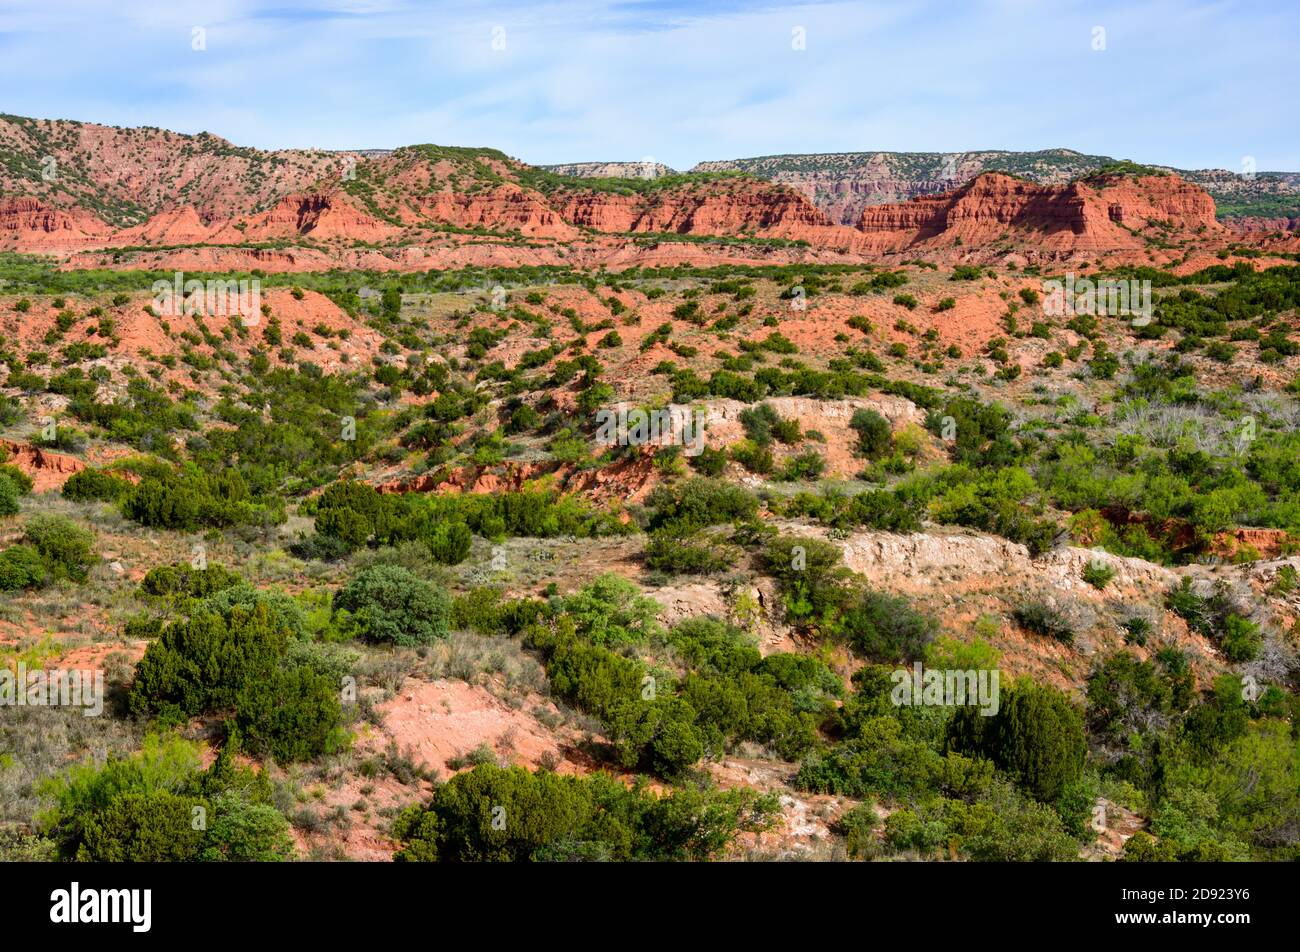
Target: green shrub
(878, 757)
(759, 422)
(523, 418)
(83, 790)
(593, 678)
(148, 827)
(1241, 639)
(1098, 574)
(1194, 609)
(886, 628)
(18, 845)
(237, 657)
(1127, 698)
(709, 462)
(1001, 501)
(245, 831)
(353, 529)
(389, 604)
(66, 548)
(202, 663)
(88, 484)
(807, 466)
(875, 437)
(1216, 617)
(1007, 827)
(884, 510)
(754, 457)
(281, 610)
(1142, 847)
(858, 826)
(1286, 580)
(8, 495)
(188, 499)
(143, 807)
(811, 577)
(699, 503)
(494, 814)
(1036, 737)
(1137, 630)
(1046, 620)
(21, 566)
(980, 434)
(949, 652)
(610, 610)
(21, 480)
(180, 579)
(480, 609)
(155, 503)
(325, 548)
(293, 715)
(688, 554)
(450, 542)
(712, 646)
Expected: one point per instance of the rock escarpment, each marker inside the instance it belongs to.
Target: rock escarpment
(1098, 214)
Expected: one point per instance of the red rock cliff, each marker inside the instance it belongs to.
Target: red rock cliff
(1098, 214)
(30, 223)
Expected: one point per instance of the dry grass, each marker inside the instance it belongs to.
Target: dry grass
(39, 742)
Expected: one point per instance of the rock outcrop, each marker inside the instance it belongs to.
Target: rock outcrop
(647, 168)
(843, 184)
(47, 470)
(321, 215)
(730, 208)
(1099, 214)
(505, 208)
(31, 224)
(1255, 225)
(180, 226)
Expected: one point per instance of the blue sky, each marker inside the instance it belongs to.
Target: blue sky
(1190, 83)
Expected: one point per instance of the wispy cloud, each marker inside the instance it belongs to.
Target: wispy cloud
(1185, 82)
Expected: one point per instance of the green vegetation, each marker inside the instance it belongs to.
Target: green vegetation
(233, 656)
(544, 817)
(387, 603)
(159, 806)
(52, 548)
(632, 625)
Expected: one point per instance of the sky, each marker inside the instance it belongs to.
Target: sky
(1186, 83)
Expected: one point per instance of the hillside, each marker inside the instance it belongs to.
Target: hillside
(843, 184)
(633, 504)
(140, 188)
(124, 176)
(126, 192)
(611, 169)
(1102, 212)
